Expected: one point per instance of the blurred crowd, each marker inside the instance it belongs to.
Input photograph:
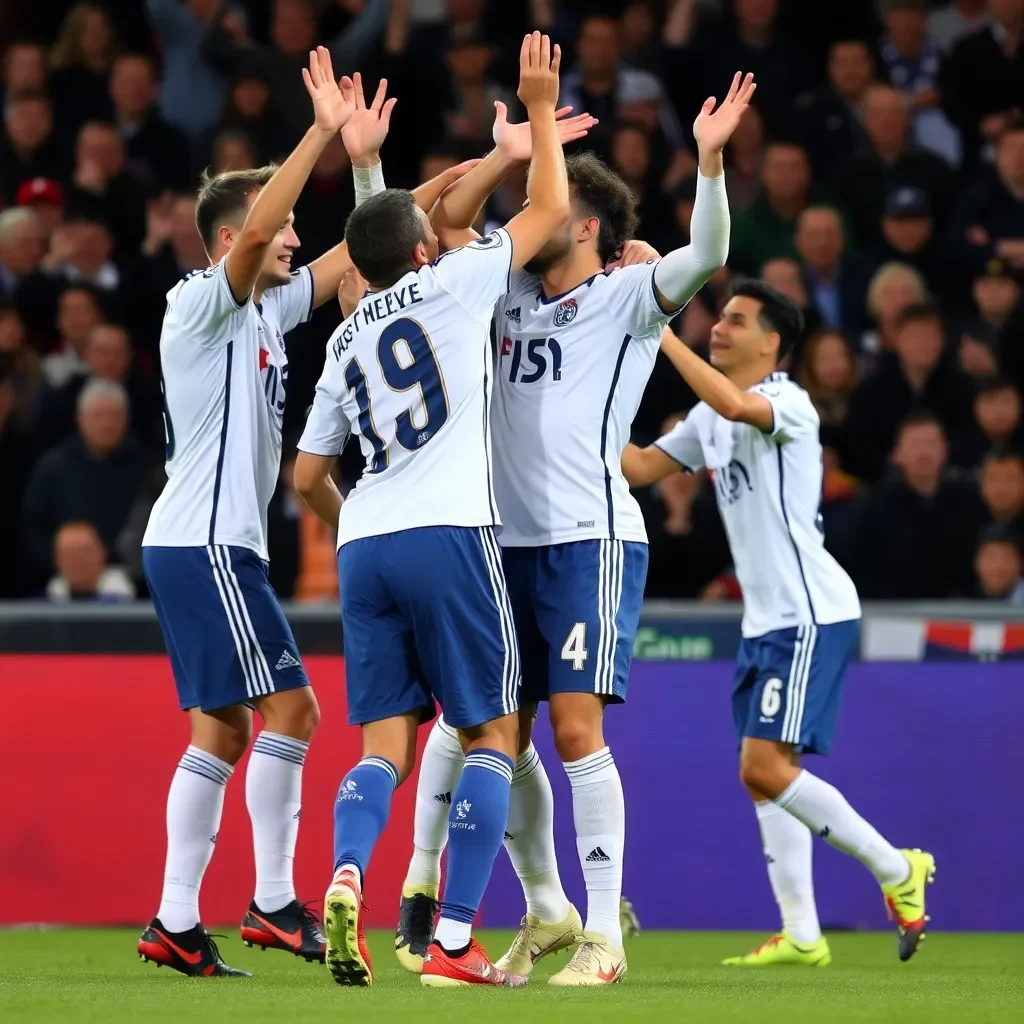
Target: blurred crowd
(878, 181)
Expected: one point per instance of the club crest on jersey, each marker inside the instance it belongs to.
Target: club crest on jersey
(565, 312)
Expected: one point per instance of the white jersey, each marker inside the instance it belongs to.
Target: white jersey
(768, 487)
(410, 373)
(571, 371)
(224, 373)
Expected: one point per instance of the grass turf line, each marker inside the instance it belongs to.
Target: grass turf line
(94, 975)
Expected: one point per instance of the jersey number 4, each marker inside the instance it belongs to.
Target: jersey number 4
(575, 647)
(419, 370)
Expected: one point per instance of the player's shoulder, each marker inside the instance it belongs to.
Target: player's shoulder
(781, 385)
(700, 416)
(495, 240)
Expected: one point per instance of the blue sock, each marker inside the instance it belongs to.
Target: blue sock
(476, 830)
(361, 811)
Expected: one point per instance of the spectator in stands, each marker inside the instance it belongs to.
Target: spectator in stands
(79, 310)
(28, 148)
(19, 364)
(227, 47)
(911, 378)
(82, 571)
(828, 373)
(836, 283)
(631, 158)
(956, 19)
(641, 47)
(909, 236)
(989, 221)
(24, 70)
(767, 227)
(21, 280)
(915, 531)
(830, 118)
(893, 288)
(996, 425)
(996, 293)
(156, 152)
(888, 161)
(248, 110)
(744, 156)
(45, 198)
(999, 567)
(602, 85)
(469, 110)
(232, 151)
(912, 58)
(982, 81)
(80, 63)
(327, 199)
(104, 186)
(191, 91)
(92, 476)
(785, 275)
(81, 250)
(16, 457)
(1002, 489)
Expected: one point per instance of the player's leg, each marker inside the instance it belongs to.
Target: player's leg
(387, 698)
(457, 598)
(806, 706)
(277, 686)
(212, 688)
(589, 613)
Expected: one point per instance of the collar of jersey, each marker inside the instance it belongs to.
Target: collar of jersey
(774, 375)
(554, 298)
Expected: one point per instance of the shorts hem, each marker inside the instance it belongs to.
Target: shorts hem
(427, 714)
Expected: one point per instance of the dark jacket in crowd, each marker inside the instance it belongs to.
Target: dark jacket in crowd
(68, 484)
(988, 205)
(911, 547)
(829, 129)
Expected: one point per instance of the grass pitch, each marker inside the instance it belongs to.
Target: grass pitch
(72, 976)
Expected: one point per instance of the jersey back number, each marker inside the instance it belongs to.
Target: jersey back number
(407, 362)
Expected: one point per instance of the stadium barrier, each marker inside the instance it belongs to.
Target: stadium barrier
(927, 748)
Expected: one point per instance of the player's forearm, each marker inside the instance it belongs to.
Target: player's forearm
(547, 184)
(459, 204)
(328, 271)
(275, 201)
(645, 466)
(367, 177)
(316, 487)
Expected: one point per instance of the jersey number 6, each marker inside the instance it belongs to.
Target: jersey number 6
(418, 369)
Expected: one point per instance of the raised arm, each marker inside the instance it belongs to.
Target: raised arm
(645, 466)
(274, 203)
(683, 272)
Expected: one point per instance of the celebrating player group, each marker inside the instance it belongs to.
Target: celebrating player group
(491, 557)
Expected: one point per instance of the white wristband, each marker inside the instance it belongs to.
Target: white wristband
(369, 181)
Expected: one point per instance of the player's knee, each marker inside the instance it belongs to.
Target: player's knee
(577, 738)
(763, 775)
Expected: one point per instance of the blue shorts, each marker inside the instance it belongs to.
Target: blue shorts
(426, 617)
(227, 637)
(577, 608)
(789, 684)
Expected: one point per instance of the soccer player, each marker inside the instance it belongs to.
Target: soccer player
(224, 373)
(424, 604)
(757, 432)
(576, 347)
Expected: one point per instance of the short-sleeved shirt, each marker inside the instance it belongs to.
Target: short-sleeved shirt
(409, 372)
(768, 487)
(223, 375)
(571, 371)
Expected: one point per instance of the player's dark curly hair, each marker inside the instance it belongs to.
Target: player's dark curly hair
(224, 198)
(382, 234)
(778, 314)
(599, 192)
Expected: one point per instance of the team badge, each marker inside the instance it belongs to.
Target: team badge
(565, 312)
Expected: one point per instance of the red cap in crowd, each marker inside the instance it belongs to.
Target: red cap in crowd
(40, 190)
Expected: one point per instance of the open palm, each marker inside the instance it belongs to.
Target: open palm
(516, 140)
(334, 102)
(367, 128)
(713, 128)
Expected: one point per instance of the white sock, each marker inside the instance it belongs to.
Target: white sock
(194, 806)
(788, 847)
(825, 811)
(530, 839)
(440, 771)
(273, 794)
(599, 811)
(452, 935)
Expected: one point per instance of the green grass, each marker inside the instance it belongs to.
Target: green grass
(72, 976)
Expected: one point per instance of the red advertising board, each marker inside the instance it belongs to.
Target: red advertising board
(90, 743)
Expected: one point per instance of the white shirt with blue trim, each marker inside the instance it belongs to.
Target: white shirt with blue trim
(409, 373)
(570, 373)
(768, 487)
(224, 371)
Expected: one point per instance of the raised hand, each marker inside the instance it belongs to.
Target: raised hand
(713, 128)
(538, 70)
(333, 102)
(515, 140)
(368, 126)
(634, 252)
(352, 288)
